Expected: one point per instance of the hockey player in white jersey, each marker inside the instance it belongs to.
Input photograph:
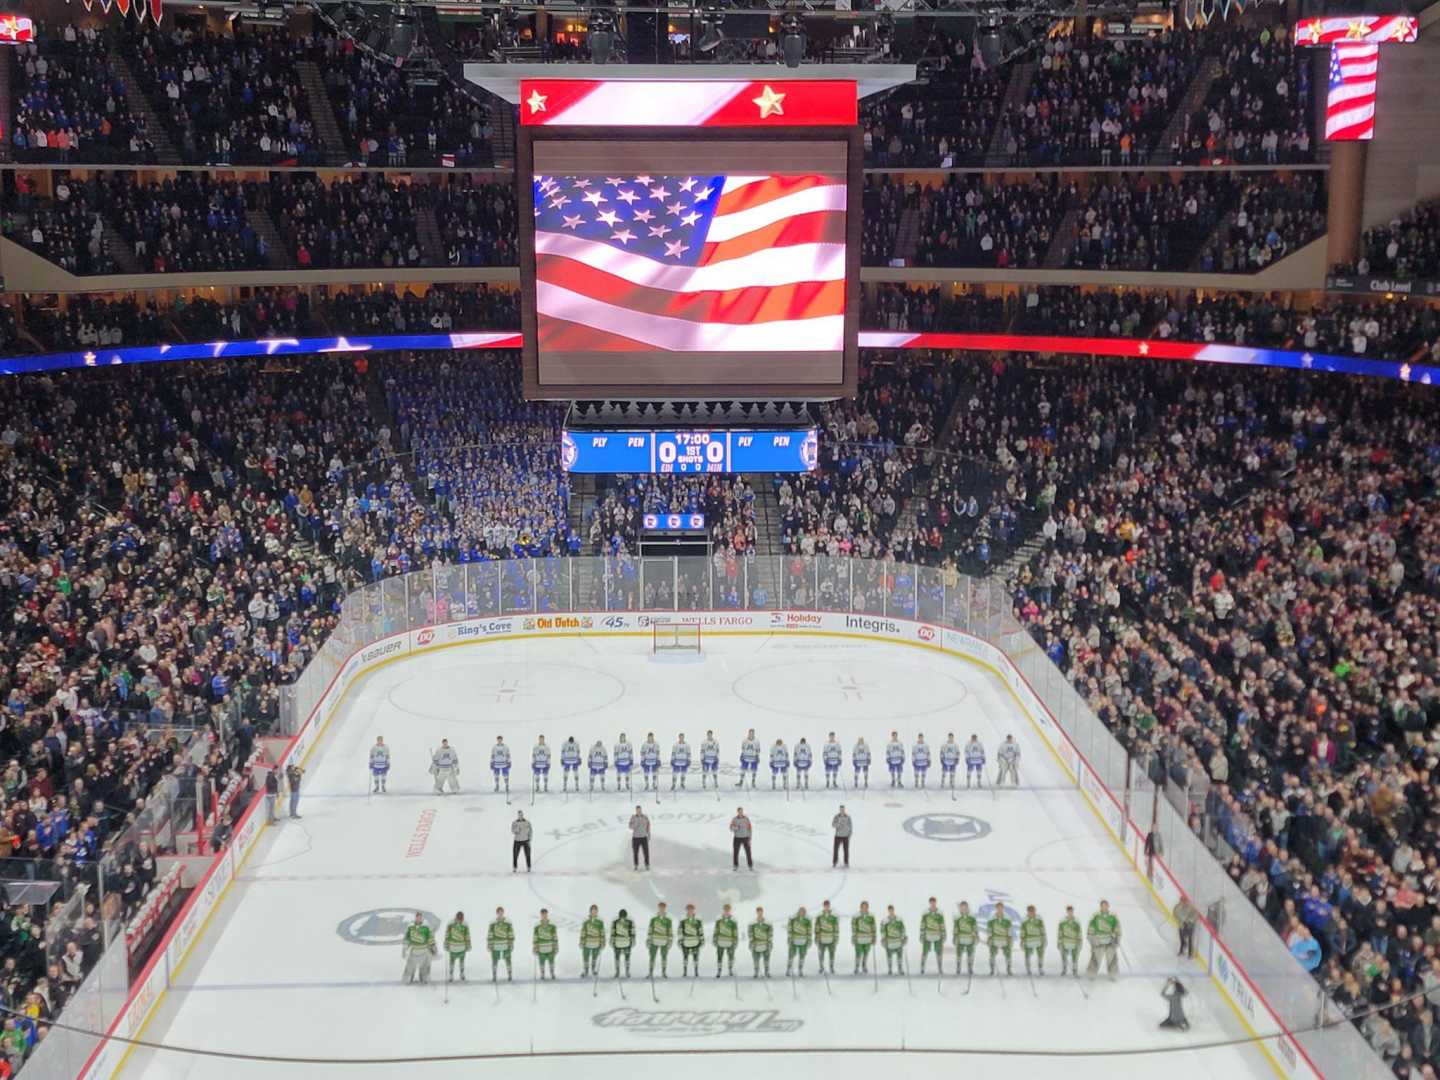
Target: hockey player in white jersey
(749, 759)
(779, 765)
(949, 760)
(599, 762)
(624, 762)
(803, 761)
(895, 759)
(679, 762)
(650, 761)
(974, 762)
(860, 758)
(831, 756)
(379, 764)
(709, 761)
(445, 767)
(570, 764)
(920, 760)
(500, 763)
(540, 766)
(1008, 757)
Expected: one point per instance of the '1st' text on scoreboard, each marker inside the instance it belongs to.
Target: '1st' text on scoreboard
(689, 452)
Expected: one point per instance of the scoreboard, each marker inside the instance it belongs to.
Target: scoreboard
(689, 452)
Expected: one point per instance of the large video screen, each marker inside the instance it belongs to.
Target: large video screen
(662, 267)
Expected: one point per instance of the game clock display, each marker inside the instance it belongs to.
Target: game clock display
(688, 453)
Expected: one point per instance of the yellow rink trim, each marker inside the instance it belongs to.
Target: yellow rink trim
(709, 631)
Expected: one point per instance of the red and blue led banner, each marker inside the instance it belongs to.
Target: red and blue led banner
(1140, 349)
(16, 29)
(1354, 71)
(1371, 29)
(710, 103)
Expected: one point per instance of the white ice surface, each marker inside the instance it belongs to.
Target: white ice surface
(273, 975)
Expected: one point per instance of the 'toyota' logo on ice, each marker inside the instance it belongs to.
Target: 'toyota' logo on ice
(689, 1022)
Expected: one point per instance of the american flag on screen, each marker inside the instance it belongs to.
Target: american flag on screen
(1350, 108)
(690, 263)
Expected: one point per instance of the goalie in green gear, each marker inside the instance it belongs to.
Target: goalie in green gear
(1104, 935)
(967, 936)
(997, 936)
(692, 937)
(592, 940)
(457, 944)
(1032, 939)
(500, 940)
(932, 936)
(862, 936)
(800, 930)
(893, 937)
(547, 943)
(622, 940)
(762, 939)
(1068, 937)
(727, 936)
(418, 945)
(827, 936)
(659, 938)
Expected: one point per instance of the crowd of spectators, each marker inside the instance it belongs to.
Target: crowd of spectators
(227, 98)
(1404, 247)
(882, 202)
(476, 220)
(965, 222)
(67, 229)
(896, 307)
(1147, 222)
(1275, 215)
(1259, 107)
(186, 223)
(70, 103)
(366, 221)
(728, 503)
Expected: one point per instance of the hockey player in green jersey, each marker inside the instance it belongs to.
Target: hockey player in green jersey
(1068, 937)
(692, 936)
(592, 940)
(799, 929)
(658, 938)
(547, 943)
(1104, 936)
(622, 939)
(967, 936)
(997, 936)
(500, 940)
(862, 935)
(932, 936)
(827, 936)
(727, 936)
(1032, 940)
(762, 938)
(418, 946)
(893, 937)
(457, 944)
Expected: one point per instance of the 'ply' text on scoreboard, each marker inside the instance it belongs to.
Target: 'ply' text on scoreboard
(689, 452)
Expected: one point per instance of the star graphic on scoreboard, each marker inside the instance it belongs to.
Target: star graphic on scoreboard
(582, 184)
(643, 215)
(573, 222)
(659, 230)
(676, 208)
(594, 198)
(1405, 372)
(689, 184)
(536, 101)
(644, 181)
(1144, 348)
(658, 193)
(627, 196)
(608, 217)
(675, 248)
(690, 218)
(770, 103)
(624, 236)
(559, 201)
(1306, 360)
(614, 181)
(701, 196)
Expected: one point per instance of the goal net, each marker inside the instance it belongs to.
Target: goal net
(676, 637)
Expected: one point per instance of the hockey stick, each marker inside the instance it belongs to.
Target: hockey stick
(828, 988)
(794, 992)
(766, 981)
(1002, 984)
(786, 783)
(875, 970)
(595, 978)
(446, 1000)
(970, 981)
(534, 982)
(734, 981)
(653, 995)
(532, 789)
(909, 984)
(940, 973)
(1033, 988)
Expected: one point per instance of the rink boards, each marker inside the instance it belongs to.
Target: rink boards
(1235, 987)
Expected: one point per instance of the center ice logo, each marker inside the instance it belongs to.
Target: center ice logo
(382, 926)
(950, 828)
(678, 1023)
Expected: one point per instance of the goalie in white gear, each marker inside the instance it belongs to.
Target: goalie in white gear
(379, 764)
(445, 767)
(1009, 758)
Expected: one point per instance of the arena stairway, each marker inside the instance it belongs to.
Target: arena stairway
(327, 126)
(1021, 76)
(1191, 100)
(119, 249)
(5, 110)
(155, 130)
(427, 228)
(276, 255)
(1063, 241)
(907, 235)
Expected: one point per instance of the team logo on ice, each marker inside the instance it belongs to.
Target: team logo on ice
(947, 827)
(687, 1023)
(382, 926)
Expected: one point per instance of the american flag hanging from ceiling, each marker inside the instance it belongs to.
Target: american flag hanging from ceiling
(690, 263)
(1350, 107)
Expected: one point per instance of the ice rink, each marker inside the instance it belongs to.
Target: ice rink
(302, 960)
